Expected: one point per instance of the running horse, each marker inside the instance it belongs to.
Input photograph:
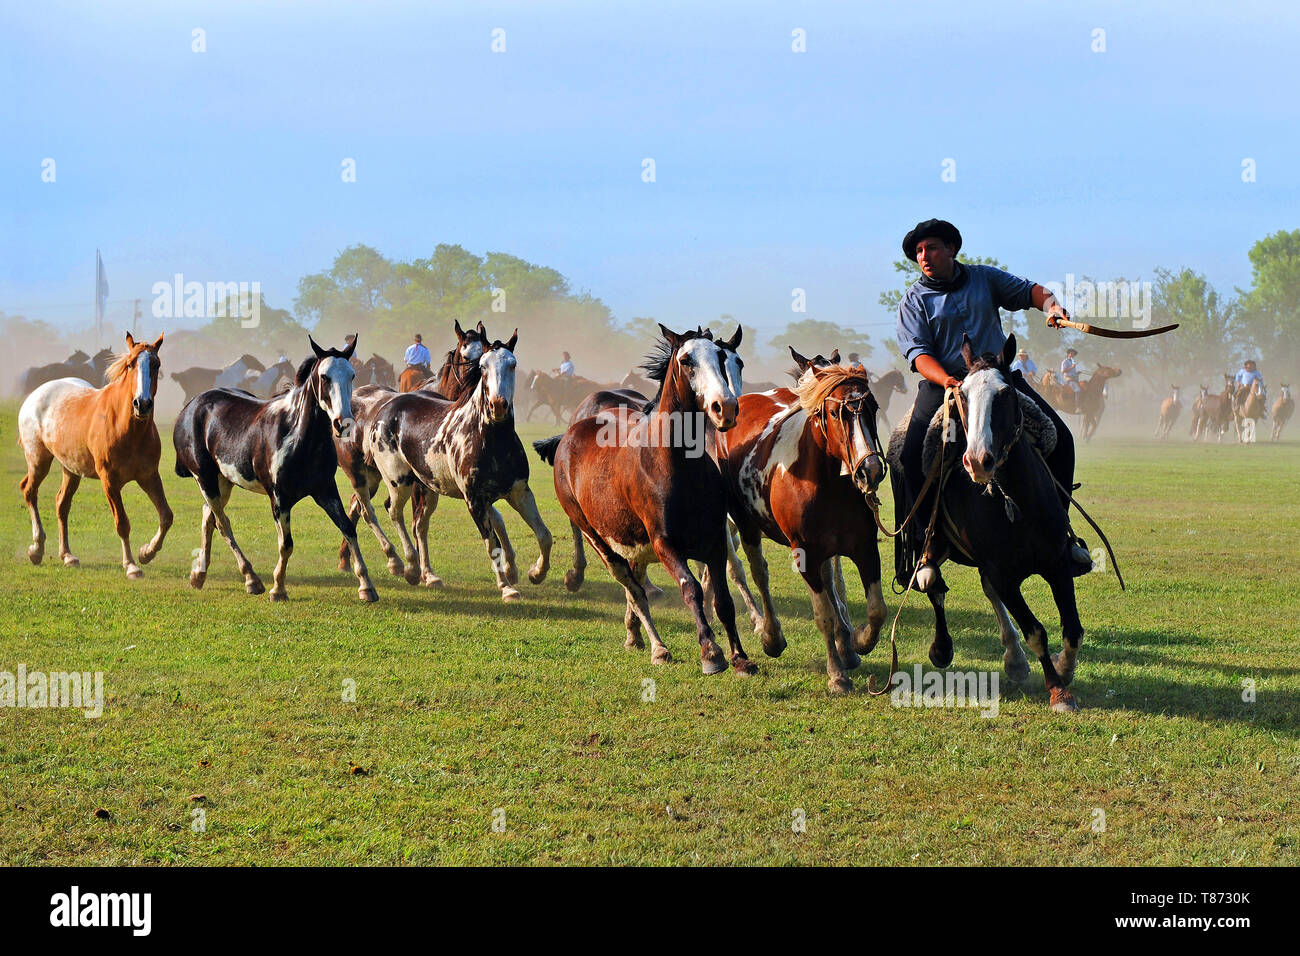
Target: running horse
(1169, 411)
(1247, 408)
(464, 448)
(801, 466)
(1002, 514)
(1283, 409)
(883, 386)
(1089, 401)
(1212, 412)
(280, 448)
(649, 494)
(106, 433)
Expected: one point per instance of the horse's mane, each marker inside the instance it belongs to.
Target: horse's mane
(117, 368)
(813, 389)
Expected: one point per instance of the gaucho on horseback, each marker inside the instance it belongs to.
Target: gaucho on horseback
(951, 301)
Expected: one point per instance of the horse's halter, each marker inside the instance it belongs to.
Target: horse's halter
(846, 411)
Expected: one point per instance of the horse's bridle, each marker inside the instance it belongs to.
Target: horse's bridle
(854, 407)
(960, 400)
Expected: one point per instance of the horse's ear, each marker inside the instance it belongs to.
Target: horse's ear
(1009, 351)
(966, 351)
(460, 333)
(734, 342)
(316, 349)
(352, 347)
(835, 356)
(799, 360)
(704, 333)
(483, 331)
(510, 346)
(157, 345)
(671, 337)
(130, 342)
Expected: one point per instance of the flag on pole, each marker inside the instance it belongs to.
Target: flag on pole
(101, 295)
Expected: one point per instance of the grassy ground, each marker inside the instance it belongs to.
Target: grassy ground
(468, 711)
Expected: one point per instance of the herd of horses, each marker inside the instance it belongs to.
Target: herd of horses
(799, 465)
(1237, 408)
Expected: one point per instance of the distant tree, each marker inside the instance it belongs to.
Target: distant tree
(353, 295)
(276, 330)
(1271, 308)
(812, 336)
(1206, 343)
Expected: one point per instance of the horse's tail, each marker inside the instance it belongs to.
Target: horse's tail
(546, 448)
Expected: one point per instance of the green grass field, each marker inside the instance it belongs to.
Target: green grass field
(469, 711)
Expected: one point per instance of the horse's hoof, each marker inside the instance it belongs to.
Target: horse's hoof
(395, 567)
(537, 575)
(368, 595)
(634, 642)
(1017, 670)
(71, 561)
(572, 580)
(840, 685)
(145, 555)
(412, 574)
(661, 655)
(1063, 701)
(774, 644)
(254, 586)
(431, 580)
(134, 574)
(712, 661)
(865, 638)
(743, 666)
(35, 553)
(940, 656)
(510, 595)
(279, 595)
(197, 579)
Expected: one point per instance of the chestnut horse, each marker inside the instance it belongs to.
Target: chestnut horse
(279, 448)
(800, 464)
(106, 433)
(1212, 412)
(1283, 409)
(1248, 407)
(1169, 410)
(1089, 401)
(649, 493)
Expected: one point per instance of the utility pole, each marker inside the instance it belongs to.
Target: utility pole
(135, 320)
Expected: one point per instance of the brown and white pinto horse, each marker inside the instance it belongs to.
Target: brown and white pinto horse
(1283, 409)
(106, 433)
(1169, 411)
(280, 448)
(651, 493)
(799, 464)
(465, 449)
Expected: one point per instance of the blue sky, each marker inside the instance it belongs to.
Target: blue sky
(774, 170)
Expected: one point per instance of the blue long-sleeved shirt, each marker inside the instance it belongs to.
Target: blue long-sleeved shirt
(417, 354)
(932, 323)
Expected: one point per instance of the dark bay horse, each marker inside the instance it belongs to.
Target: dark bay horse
(1001, 513)
(77, 365)
(648, 492)
(799, 465)
(106, 433)
(282, 448)
(465, 448)
(884, 386)
(375, 370)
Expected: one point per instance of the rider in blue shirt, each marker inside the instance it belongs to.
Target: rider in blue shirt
(950, 300)
(1024, 364)
(1247, 376)
(417, 354)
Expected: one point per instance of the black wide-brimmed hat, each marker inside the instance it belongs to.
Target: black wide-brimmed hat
(1071, 351)
(936, 228)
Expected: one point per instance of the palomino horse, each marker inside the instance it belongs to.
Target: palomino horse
(1212, 412)
(883, 386)
(1089, 401)
(467, 449)
(106, 433)
(1283, 409)
(1169, 411)
(799, 464)
(650, 493)
(1248, 408)
(1001, 514)
(281, 448)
